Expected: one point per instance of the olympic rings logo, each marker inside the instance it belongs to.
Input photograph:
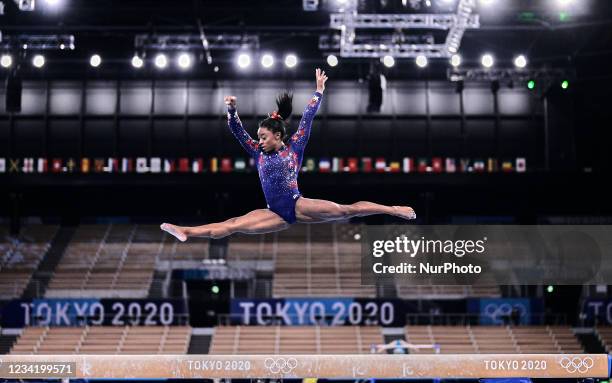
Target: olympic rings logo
(576, 364)
(276, 366)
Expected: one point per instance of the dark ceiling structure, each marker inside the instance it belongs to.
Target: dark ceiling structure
(550, 33)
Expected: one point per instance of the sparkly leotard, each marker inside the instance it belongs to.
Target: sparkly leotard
(278, 170)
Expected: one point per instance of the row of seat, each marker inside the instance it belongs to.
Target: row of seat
(104, 340)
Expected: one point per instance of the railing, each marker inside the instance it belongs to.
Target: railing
(462, 319)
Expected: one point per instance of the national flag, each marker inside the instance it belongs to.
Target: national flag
(507, 166)
(380, 164)
(366, 164)
(492, 165)
(57, 165)
(98, 165)
(521, 165)
(436, 165)
(479, 166)
(465, 165)
(169, 165)
(239, 165)
(2, 165)
(71, 165)
(141, 165)
(127, 165)
(28, 165)
(407, 165)
(394, 167)
(156, 165)
(42, 165)
(183, 165)
(353, 165)
(337, 165)
(112, 165)
(197, 165)
(213, 165)
(450, 165)
(311, 165)
(324, 165)
(422, 165)
(226, 165)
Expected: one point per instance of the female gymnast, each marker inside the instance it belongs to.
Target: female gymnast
(278, 162)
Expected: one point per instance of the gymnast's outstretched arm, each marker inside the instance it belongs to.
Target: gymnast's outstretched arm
(235, 125)
(300, 138)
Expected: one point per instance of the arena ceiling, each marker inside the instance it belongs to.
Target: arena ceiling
(576, 34)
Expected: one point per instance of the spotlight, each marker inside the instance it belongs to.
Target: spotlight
(564, 3)
(531, 84)
(565, 84)
(487, 61)
(38, 61)
(95, 61)
(486, 2)
(455, 60)
(184, 60)
(520, 61)
(421, 61)
(215, 289)
(550, 289)
(267, 60)
(244, 60)
(53, 2)
(389, 61)
(137, 62)
(62, 46)
(161, 61)
(6, 61)
(332, 60)
(290, 60)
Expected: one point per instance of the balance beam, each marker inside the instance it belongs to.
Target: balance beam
(307, 366)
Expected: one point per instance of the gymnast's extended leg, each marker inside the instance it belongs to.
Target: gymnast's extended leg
(256, 222)
(310, 210)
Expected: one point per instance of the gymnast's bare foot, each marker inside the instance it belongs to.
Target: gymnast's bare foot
(176, 231)
(404, 212)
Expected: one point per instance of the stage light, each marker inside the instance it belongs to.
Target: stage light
(565, 84)
(244, 60)
(215, 289)
(267, 60)
(389, 61)
(421, 61)
(137, 62)
(486, 2)
(290, 60)
(531, 84)
(38, 61)
(161, 61)
(332, 60)
(487, 61)
(95, 61)
(6, 61)
(550, 289)
(184, 60)
(520, 61)
(564, 3)
(53, 2)
(455, 60)
(62, 46)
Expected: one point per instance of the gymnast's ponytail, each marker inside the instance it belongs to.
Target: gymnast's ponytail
(277, 120)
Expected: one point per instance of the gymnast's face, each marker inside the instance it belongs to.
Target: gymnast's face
(269, 141)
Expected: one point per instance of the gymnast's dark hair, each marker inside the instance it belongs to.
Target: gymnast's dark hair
(277, 120)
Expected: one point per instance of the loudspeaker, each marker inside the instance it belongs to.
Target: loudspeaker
(13, 94)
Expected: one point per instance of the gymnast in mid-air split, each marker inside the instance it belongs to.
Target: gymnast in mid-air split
(278, 161)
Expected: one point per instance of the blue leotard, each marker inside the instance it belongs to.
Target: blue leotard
(278, 170)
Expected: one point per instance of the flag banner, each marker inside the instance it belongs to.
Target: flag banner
(156, 165)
